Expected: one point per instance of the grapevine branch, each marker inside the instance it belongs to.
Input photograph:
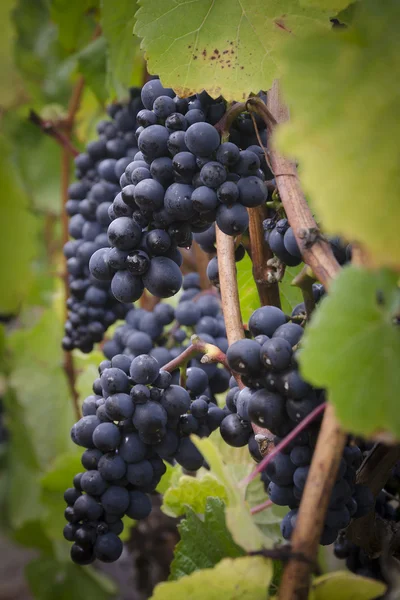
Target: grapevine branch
(331, 440)
(65, 175)
(263, 274)
(228, 284)
(315, 250)
(49, 128)
(211, 354)
(304, 280)
(314, 504)
(231, 305)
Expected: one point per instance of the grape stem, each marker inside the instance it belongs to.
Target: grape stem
(211, 354)
(284, 443)
(224, 124)
(231, 306)
(316, 253)
(263, 273)
(304, 280)
(49, 128)
(228, 284)
(261, 507)
(331, 440)
(73, 108)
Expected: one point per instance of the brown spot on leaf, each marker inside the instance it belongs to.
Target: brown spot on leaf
(204, 53)
(281, 24)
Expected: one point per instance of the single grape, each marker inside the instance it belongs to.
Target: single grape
(232, 220)
(202, 138)
(234, 431)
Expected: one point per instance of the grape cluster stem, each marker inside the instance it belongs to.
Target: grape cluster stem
(73, 108)
(331, 440)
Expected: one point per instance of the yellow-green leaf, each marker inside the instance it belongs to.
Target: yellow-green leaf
(192, 492)
(344, 128)
(17, 241)
(238, 517)
(226, 47)
(352, 348)
(346, 586)
(117, 20)
(232, 579)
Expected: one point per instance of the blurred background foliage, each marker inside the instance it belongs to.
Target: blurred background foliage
(64, 60)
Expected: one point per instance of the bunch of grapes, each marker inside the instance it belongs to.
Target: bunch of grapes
(277, 398)
(180, 182)
(91, 306)
(280, 238)
(387, 507)
(139, 416)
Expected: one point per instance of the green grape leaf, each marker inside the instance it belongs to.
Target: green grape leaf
(245, 578)
(16, 274)
(87, 368)
(39, 413)
(171, 475)
(92, 64)
(125, 65)
(39, 55)
(290, 294)
(75, 21)
(248, 295)
(346, 586)
(326, 81)
(267, 520)
(352, 348)
(346, 16)
(45, 402)
(49, 579)
(333, 5)
(205, 542)
(11, 85)
(193, 493)
(62, 471)
(53, 485)
(223, 46)
(40, 170)
(238, 517)
(33, 535)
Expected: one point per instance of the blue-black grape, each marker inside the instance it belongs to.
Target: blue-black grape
(202, 139)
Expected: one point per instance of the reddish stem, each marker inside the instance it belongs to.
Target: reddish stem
(261, 507)
(50, 129)
(285, 442)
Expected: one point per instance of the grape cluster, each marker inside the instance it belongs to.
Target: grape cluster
(180, 182)
(140, 416)
(277, 398)
(357, 560)
(165, 333)
(387, 506)
(91, 306)
(280, 237)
